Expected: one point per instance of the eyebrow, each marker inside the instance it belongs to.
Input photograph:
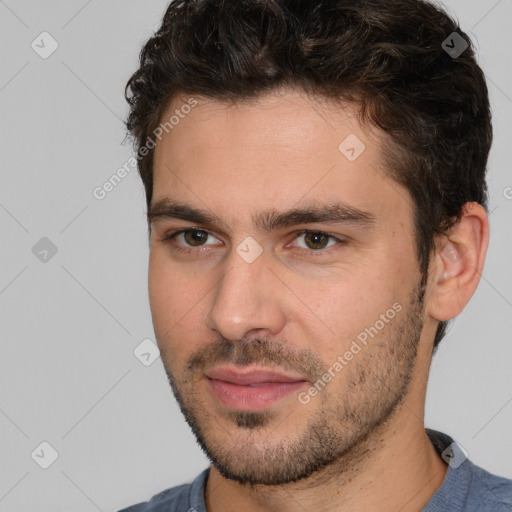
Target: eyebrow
(267, 220)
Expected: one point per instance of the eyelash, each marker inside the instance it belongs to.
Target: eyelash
(170, 237)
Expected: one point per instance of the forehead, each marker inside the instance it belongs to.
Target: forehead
(280, 149)
(282, 119)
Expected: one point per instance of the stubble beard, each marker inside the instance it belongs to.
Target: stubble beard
(240, 445)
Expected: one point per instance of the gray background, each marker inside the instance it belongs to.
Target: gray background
(69, 325)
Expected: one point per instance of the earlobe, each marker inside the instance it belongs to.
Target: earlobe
(459, 261)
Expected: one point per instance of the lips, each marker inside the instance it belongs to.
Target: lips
(251, 390)
(251, 377)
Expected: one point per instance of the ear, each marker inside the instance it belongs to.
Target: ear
(458, 263)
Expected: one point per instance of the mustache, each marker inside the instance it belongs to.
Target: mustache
(259, 351)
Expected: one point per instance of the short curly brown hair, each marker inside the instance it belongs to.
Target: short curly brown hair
(386, 56)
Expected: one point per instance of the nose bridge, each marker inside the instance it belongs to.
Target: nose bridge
(245, 297)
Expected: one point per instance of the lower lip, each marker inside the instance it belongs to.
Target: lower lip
(252, 398)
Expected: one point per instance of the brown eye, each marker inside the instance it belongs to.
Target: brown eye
(195, 237)
(316, 240)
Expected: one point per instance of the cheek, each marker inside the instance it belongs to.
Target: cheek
(177, 304)
(170, 289)
(159, 287)
(168, 298)
(347, 304)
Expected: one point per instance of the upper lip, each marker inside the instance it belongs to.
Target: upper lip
(252, 376)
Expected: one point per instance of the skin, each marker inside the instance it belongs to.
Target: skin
(359, 444)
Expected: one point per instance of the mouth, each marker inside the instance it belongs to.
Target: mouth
(251, 390)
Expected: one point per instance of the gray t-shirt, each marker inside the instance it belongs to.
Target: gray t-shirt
(466, 487)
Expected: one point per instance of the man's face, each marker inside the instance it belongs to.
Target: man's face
(286, 339)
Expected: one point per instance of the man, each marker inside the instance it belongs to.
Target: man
(315, 182)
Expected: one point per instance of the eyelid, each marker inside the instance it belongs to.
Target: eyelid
(171, 235)
(339, 240)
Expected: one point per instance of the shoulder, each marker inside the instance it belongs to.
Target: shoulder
(182, 498)
(492, 493)
(467, 487)
(170, 500)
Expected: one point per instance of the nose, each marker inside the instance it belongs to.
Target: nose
(247, 301)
